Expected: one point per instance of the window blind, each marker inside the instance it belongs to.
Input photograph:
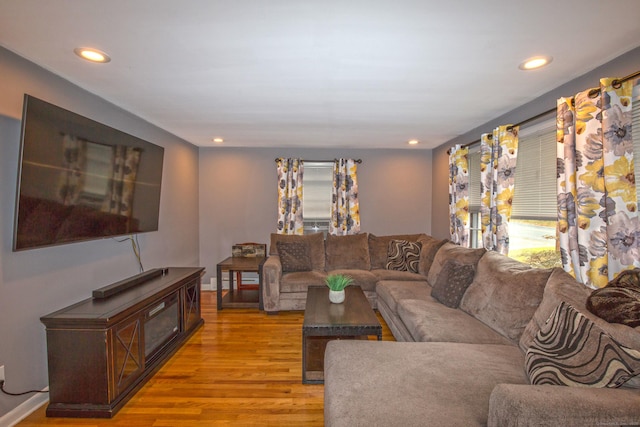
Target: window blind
(316, 190)
(474, 179)
(535, 182)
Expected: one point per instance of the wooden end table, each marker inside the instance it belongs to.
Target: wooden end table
(239, 298)
(325, 321)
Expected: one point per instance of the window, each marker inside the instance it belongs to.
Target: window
(475, 226)
(316, 196)
(532, 229)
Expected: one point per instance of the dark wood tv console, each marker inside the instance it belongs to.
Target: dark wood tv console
(103, 349)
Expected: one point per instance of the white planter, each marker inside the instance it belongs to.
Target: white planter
(336, 297)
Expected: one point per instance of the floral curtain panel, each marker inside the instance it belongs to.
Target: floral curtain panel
(597, 207)
(290, 177)
(345, 208)
(459, 195)
(499, 152)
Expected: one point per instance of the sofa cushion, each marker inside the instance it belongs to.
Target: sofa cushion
(619, 301)
(351, 252)
(392, 291)
(505, 293)
(571, 350)
(363, 278)
(430, 247)
(384, 383)
(315, 243)
(428, 320)
(561, 286)
(300, 281)
(294, 256)
(452, 283)
(379, 247)
(452, 251)
(403, 255)
(397, 275)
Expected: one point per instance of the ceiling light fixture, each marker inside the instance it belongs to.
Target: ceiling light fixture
(535, 62)
(91, 54)
(218, 140)
(413, 142)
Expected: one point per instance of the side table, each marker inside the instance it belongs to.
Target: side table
(239, 298)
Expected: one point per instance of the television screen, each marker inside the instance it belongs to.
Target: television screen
(81, 180)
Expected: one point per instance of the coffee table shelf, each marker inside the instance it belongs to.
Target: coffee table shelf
(325, 321)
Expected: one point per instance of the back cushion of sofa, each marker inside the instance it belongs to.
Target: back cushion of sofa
(379, 247)
(451, 251)
(347, 252)
(430, 247)
(505, 293)
(315, 244)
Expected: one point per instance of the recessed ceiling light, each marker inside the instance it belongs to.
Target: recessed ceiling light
(535, 62)
(91, 54)
(413, 142)
(218, 140)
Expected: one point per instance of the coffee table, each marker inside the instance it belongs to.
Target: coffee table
(325, 321)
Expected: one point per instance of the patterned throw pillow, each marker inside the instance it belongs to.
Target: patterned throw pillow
(294, 256)
(403, 255)
(619, 301)
(572, 350)
(452, 283)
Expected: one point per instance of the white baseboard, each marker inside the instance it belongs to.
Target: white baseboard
(209, 286)
(23, 410)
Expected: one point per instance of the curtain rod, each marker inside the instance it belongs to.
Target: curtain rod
(615, 83)
(323, 161)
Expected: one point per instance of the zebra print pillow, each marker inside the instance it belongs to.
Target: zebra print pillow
(403, 255)
(571, 350)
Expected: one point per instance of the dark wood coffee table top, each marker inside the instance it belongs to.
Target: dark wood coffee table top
(352, 317)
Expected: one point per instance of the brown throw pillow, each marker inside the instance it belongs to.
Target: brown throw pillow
(403, 255)
(294, 256)
(619, 301)
(452, 283)
(572, 350)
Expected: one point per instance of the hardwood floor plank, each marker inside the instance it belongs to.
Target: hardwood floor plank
(242, 368)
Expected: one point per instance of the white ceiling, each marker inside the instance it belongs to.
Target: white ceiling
(325, 73)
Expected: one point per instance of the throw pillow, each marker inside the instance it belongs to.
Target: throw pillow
(619, 301)
(571, 350)
(403, 255)
(452, 283)
(294, 256)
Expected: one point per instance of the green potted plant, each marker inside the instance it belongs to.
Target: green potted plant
(336, 284)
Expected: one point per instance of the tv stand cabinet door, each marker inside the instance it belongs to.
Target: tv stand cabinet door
(128, 356)
(192, 311)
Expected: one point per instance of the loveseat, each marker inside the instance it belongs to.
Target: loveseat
(297, 262)
(485, 340)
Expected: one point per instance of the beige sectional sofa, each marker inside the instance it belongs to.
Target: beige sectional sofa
(470, 362)
(362, 256)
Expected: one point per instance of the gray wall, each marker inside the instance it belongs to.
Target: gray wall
(238, 197)
(36, 282)
(620, 67)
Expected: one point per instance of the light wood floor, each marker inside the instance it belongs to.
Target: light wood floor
(242, 368)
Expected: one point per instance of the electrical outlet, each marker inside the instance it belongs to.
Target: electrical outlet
(2, 373)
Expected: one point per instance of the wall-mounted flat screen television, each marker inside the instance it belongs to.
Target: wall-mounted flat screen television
(81, 180)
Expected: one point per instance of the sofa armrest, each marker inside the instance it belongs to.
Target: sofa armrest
(538, 405)
(271, 277)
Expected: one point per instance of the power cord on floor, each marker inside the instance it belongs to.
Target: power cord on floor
(19, 394)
